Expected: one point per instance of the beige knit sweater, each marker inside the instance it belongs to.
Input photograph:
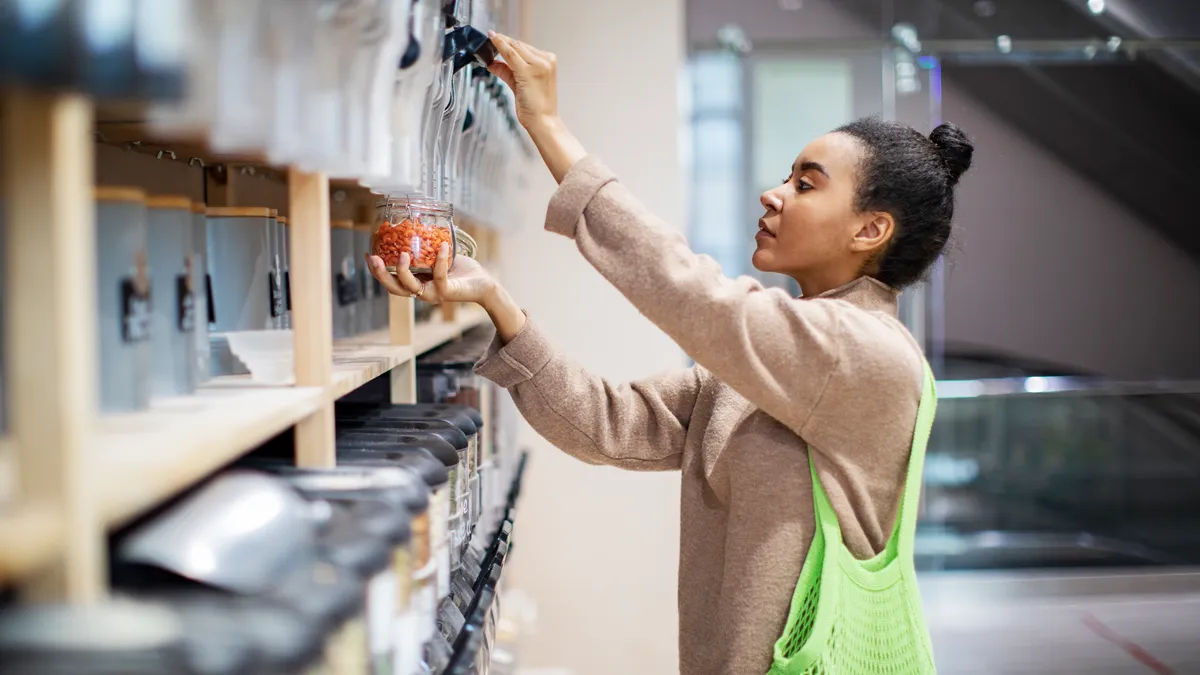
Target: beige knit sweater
(779, 380)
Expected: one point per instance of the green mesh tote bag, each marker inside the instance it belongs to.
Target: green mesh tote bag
(861, 617)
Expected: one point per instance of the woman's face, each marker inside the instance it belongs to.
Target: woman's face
(810, 219)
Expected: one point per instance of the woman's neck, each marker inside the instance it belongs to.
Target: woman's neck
(813, 284)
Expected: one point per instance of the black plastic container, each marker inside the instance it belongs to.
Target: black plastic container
(467, 419)
(432, 543)
(231, 635)
(459, 495)
(379, 501)
(333, 596)
(272, 556)
(131, 638)
(365, 536)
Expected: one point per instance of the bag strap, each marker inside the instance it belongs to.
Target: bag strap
(904, 533)
(906, 523)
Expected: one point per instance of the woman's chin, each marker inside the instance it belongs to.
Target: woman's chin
(762, 261)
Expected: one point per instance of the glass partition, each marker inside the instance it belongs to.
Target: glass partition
(1050, 472)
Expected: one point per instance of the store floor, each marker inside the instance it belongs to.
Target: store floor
(1095, 624)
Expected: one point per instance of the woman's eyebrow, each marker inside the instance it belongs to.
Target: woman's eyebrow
(801, 167)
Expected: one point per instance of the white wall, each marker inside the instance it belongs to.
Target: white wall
(1049, 267)
(598, 548)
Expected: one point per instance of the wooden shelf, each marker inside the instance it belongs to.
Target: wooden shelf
(437, 332)
(69, 476)
(359, 360)
(139, 460)
(30, 536)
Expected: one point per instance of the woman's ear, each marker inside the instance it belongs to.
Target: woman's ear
(875, 233)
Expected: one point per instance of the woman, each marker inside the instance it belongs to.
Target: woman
(832, 378)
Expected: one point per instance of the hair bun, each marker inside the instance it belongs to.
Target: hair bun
(954, 147)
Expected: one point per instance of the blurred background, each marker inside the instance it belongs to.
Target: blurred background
(1064, 475)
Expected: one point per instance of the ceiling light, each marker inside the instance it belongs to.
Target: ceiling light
(791, 5)
(906, 35)
(1004, 44)
(1096, 6)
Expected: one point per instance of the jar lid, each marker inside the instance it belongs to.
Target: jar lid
(274, 213)
(106, 193)
(169, 202)
(418, 205)
(199, 207)
(282, 220)
(238, 212)
(342, 224)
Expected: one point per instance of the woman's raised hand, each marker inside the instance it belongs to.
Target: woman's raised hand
(532, 74)
(467, 281)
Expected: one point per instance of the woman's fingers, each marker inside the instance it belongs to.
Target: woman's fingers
(405, 276)
(441, 271)
(504, 45)
(531, 55)
(504, 72)
(386, 278)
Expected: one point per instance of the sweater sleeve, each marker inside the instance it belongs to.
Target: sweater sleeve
(775, 350)
(640, 426)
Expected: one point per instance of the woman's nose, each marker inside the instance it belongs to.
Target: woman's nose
(771, 201)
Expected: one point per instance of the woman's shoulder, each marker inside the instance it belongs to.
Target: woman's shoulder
(878, 358)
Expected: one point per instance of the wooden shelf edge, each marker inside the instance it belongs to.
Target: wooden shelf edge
(138, 461)
(432, 334)
(31, 535)
(358, 360)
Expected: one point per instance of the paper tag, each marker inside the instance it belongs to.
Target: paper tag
(185, 304)
(381, 611)
(135, 312)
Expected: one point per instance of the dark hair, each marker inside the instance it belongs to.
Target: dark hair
(911, 177)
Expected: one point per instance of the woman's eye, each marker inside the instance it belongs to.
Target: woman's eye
(802, 186)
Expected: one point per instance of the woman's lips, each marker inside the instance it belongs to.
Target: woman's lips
(763, 232)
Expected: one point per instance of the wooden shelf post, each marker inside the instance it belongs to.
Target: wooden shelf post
(402, 321)
(50, 327)
(312, 310)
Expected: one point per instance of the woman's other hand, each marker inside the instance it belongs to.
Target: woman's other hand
(532, 74)
(467, 281)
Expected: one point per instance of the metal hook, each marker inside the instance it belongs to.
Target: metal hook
(248, 171)
(166, 152)
(196, 160)
(132, 145)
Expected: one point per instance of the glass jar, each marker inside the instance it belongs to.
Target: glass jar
(343, 273)
(122, 287)
(172, 294)
(418, 227)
